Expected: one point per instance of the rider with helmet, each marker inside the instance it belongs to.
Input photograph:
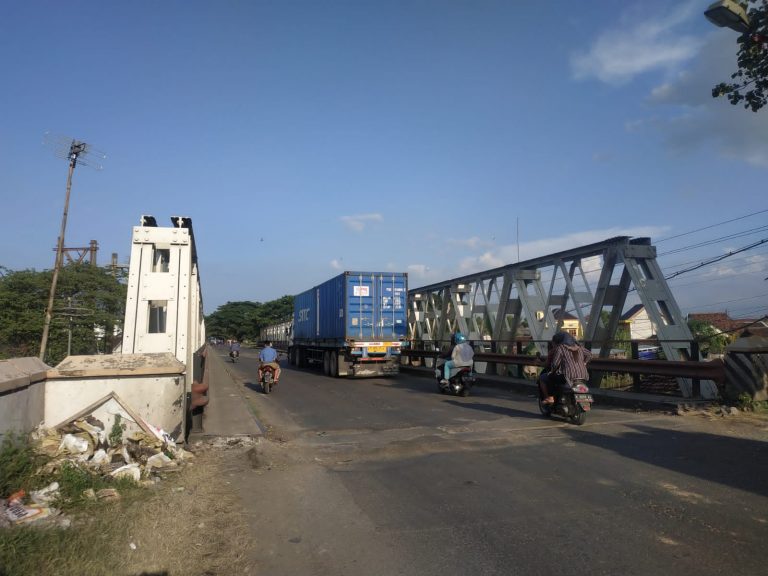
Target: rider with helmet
(566, 363)
(461, 354)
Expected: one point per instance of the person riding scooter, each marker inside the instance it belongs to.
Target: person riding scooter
(460, 354)
(566, 363)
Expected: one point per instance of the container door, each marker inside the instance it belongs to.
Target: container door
(360, 306)
(392, 292)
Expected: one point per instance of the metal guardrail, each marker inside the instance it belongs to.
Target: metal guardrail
(714, 370)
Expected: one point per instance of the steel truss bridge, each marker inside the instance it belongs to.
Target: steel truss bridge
(590, 282)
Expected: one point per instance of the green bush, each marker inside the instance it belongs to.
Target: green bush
(18, 464)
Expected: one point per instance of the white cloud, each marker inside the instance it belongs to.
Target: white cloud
(505, 255)
(620, 54)
(336, 264)
(357, 222)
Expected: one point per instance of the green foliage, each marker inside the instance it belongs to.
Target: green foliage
(116, 434)
(750, 82)
(74, 481)
(86, 297)
(244, 320)
(18, 464)
(747, 403)
(710, 338)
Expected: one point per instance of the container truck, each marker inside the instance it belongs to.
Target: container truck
(353, 324)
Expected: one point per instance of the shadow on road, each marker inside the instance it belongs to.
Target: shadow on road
(253, 386)
(737, 462)
(501, 410)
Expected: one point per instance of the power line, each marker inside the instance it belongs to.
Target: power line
(711, 226)
(716, 240)
(718, 258)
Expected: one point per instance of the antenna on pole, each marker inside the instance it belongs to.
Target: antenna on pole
(76, 152)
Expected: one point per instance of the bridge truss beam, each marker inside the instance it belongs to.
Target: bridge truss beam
(592, 282)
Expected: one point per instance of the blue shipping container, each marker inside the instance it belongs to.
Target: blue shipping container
(363, 306)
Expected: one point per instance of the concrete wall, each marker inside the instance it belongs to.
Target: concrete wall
(22, 394)
(150, 385)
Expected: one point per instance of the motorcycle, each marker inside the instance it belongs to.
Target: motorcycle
(461, 380)
(571, 402)
(234, 354)
(267, 379)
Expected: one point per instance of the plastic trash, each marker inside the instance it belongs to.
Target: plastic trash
(45, 495)
(19, 513)
(100, 457)
(128, 471)
(159, 460)
(73, 444)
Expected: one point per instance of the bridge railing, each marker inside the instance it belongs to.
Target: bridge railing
(486, 353)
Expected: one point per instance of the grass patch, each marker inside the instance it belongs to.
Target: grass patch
(186, 524)
(19, 464)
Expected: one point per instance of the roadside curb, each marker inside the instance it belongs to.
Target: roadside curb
(227, 413)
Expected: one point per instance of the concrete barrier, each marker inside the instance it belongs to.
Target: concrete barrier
(22, 394)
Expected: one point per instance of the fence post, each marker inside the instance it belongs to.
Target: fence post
(635, 355)
(695, 382)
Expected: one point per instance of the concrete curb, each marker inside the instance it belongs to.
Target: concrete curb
(227, 413)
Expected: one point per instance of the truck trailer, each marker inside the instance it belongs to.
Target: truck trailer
(353, 324)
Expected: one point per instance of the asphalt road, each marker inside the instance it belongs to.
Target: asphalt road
(386, 476)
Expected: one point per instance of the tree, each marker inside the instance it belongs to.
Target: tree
(710, 338)
(244, 320)
(92, 297)
(750, 82)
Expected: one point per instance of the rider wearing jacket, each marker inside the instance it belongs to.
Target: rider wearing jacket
(461, 354)
(566, 363)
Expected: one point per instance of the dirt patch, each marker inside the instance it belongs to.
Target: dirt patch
(189, 523)
(192, 525)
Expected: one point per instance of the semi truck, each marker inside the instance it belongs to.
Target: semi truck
(352, 325)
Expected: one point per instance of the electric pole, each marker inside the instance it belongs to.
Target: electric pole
(76, 151)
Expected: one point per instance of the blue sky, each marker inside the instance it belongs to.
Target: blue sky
(307, 138)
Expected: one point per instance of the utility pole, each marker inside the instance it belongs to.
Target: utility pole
(76, 149)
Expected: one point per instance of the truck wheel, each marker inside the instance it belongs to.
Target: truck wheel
(333, 365)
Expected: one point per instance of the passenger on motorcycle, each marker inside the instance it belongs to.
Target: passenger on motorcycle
(566, 363)
(234, 349)
(461, 354)
(268, 357)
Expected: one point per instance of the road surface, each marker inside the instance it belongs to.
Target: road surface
(386, 476)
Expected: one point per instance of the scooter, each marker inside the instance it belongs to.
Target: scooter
(571, 402)
(461, 380)
(267, 379)
(234, 354)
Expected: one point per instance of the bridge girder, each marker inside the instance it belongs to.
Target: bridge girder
(495, 304)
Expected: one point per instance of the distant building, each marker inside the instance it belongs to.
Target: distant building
(568, 323)
(724, 323)
(638, 323)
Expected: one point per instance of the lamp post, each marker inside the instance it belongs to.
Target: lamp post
(729, 14)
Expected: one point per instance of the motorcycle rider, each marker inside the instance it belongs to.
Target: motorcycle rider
(460, 354)
(234, 349)
(566, 362)
(268, 357)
